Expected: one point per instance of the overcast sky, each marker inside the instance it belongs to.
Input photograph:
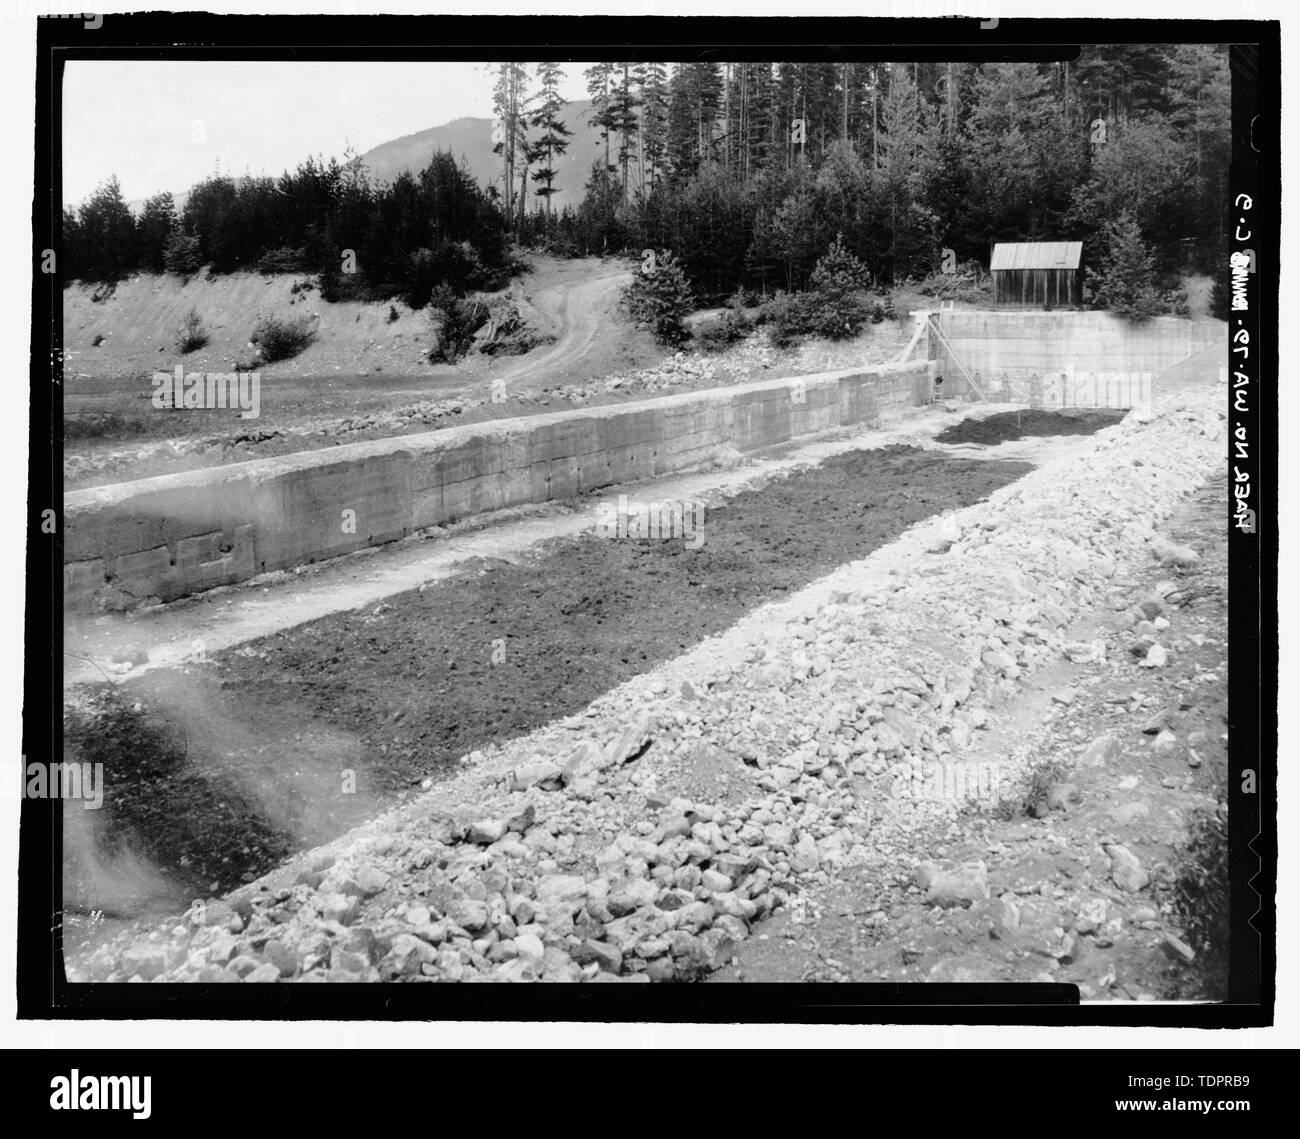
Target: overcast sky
(163, 125)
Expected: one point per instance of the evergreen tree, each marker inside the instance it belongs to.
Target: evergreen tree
(788, 109)
(597, 217)
(755, 100)
(600, 90)
(1143, 169)
(907, 147)
(654, 123)
(71, 255)
(796, 234)
(765, 263)
(1123, 280)
(706, 93)
(1021, 161)
(659, 298)
(713, 224)
(1200, 99)
(893, 161)
(694, 108)
(182, 255)
(510, 136)
(1119, 81)
(554, 138)
(106, 235)
(153, 230)
(844, 200)
(822, 106)
(682, 137)
(838, 309)
(623, 115)
(209, 216)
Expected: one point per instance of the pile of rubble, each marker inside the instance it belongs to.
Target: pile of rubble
(570, 855)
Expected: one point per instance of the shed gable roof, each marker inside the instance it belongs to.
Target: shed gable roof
(1036, 255)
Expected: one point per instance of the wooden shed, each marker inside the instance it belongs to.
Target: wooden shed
(1037, 274)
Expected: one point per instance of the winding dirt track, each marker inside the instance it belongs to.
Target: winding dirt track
(586, 312)
(577, 302)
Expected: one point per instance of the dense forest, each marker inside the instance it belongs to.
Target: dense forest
(746, 173)
(402, 239)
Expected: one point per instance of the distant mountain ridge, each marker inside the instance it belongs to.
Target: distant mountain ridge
(471, 139)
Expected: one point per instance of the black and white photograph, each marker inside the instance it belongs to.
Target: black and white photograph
(595, 501)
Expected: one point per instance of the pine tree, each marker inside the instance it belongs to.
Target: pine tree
(706, 94)
(852, 79)
(822, 106)
(1144, 168)
(107, 234)
(153, 229)
(760, 123)
(906, 150)
(1023, 160)
(838, 309)
(748, 111)
(796, 233)
(600, 89)
(1123, 280)
(71, 254)
(623, 120)
(681, 147)
(1200, 98)
(1119, 81)
(597, 216)
(787, 93)
(659, 298)
(510, 135)
(554, 139)
(843, 199)
(654, 123)
(182, 255)
(694, 110)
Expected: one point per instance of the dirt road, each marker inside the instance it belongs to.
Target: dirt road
(590, 337)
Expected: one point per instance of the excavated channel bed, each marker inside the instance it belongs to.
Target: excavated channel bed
(215, 772)
(1020, 424)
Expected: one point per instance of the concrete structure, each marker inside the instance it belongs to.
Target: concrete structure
(1004, 352)
(173, 535)
(1037, 274)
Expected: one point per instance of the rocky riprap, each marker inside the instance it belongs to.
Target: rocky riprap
(644, 840)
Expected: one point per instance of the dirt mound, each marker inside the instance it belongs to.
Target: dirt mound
(1019, 424)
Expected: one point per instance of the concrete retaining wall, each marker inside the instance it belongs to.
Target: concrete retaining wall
(173, 535)
(1005, 349)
